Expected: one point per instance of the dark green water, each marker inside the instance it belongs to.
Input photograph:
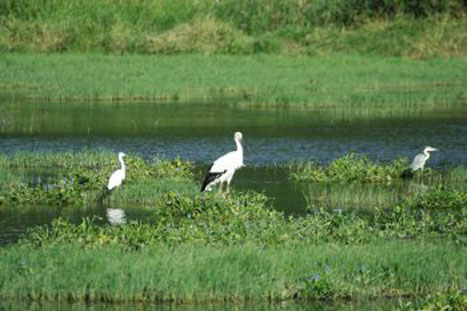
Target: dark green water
(201, 132)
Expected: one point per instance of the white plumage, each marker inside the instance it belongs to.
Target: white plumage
(223, 169)
(118, 176)
(421, 158)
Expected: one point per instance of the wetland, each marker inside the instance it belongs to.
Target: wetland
(318, 217)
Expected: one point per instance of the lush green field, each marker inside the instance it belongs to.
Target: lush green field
(396, 28)
(232, 273)
(330, 81)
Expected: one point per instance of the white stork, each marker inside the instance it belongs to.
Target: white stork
(223, 169)
(118, 176)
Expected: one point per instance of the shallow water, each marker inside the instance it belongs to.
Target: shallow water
(200, 132)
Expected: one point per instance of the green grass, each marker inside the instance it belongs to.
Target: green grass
(397, 28)
(233, 273)
(333, 82)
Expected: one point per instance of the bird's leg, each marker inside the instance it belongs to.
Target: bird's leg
(224, 192)
(219, 190)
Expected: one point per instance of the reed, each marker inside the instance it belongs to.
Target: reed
(356, 196)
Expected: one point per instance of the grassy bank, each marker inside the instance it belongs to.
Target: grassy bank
(396, 28)
(372, 83)
(233, 273)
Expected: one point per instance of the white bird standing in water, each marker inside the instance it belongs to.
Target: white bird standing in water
(118, 176)
(421, 158)
(223, 169)
(418, 162)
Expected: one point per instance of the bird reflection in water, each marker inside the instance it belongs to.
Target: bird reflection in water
(116, 216)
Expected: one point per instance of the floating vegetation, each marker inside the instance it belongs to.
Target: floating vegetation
(246, 218)
(451, 300)
(348, 168)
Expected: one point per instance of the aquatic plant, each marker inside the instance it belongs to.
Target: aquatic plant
(450, 301)
(442, 200)
(246, 218)
(348, 168)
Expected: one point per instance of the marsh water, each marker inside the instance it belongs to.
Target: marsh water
(200, 132)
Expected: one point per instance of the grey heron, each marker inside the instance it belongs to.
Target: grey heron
(418, 163)
(117, 177)
(222, 170)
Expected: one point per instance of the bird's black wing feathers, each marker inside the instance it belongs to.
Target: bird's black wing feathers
(210, 177)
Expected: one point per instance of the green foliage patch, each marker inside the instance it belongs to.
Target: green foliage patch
(246, 218)
(348, 168)
(411, 28)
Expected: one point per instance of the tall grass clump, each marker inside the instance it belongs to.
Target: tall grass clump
(356, 195)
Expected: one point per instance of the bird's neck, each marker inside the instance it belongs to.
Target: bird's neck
(239, 146)
(427, 154)
(122, 163)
